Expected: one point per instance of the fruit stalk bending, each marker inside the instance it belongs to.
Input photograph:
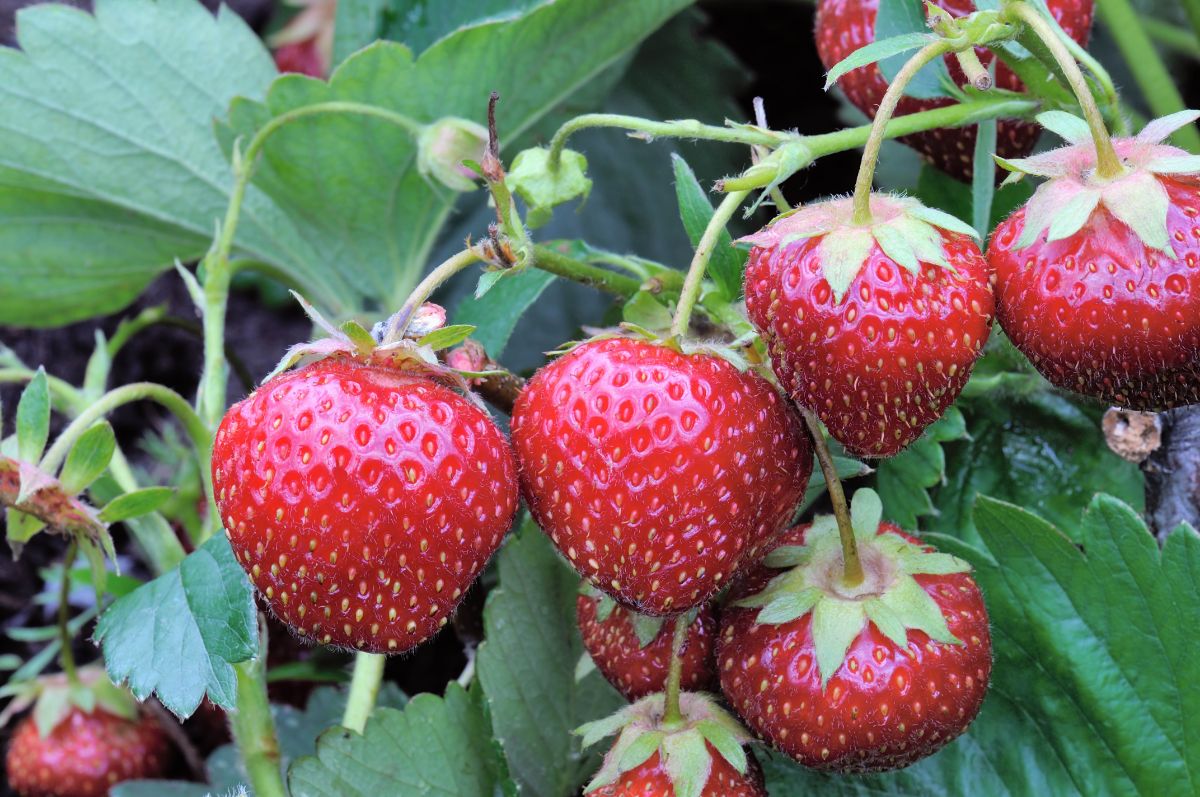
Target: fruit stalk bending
(1108, 165)
(254, 728)
(433, 280)
(364, 689)
(852, 572)
(887, 106)
(704, 250)
(671, 712)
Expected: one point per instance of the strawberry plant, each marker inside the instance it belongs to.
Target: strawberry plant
(600, 448)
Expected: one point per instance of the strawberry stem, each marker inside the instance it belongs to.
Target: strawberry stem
(1108, 165)
(852, 573)
(364, 689)
(671, 712)
(253, 726)
(704, 250)
(887, 106)
(399, 322)
(66, 655)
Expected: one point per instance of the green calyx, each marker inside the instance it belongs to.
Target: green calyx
(682, 747)
(888, 596)
(1073, 192)
(907, 231)
(54, 697)
(646, 628)
(532, 177)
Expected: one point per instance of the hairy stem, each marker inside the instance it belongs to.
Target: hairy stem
(853, 572)
(680, 128)
(887, 106)
(1108, 165)
(551, 260)
(433, 280)
(671, 712)
(66, 655)
(1148, 69)
(699, 266)
(364, 689)
(254, 727)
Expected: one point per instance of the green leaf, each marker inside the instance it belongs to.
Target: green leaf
(416, 24)
(647, 312)
(983, 179)
(446, 337)
(687, 763)
(109, 174)
(905, 17)
(846, 467)
(645, 628)
(910, 602)
(180, 635)
(875, 51)
(866, 510)
(51, 708)
(788, 606)
(937, 189)
(495, 314)
(843, 252)
(88, 458)
(434, 746)
(903, 481)
(33, 418)
(1066, 126)
(727, 263)
(523, 665)
(835, 624)
(135, 504)
(725, 742)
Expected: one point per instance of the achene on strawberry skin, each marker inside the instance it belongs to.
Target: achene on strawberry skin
(851, 697)
(655, 472)
(844, 26)
(638, 666)
(362, 500)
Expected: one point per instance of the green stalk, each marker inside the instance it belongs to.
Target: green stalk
(364, 689)
(254, 728)
(1173, 37)
(681, 128)
(704, 249)
(852, 573)
(66, 655)
(1147, 66)
(887, 106)
(425, 289)
(1192, 8)
(550, 260)
(671, 712)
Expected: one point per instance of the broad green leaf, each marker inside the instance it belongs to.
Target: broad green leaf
(434, 746)
(495, 314)
(33, 418)
(524, 667)
(375, 217)
(903, 481)
(88, 458)
(905, 17)
(416, 23)
(727, 263)
(108, 174)
(134, 504)
(180, 635)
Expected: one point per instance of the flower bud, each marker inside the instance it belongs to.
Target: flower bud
(445, 144)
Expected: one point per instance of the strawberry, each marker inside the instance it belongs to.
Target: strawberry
(362, 499)
(651, 779)
(844, 26)
(305, 43)
(654, 471)
(874, 328)
(633, 651)
(700, 753)
(1097, 280)
(863, 678)
(85, 754)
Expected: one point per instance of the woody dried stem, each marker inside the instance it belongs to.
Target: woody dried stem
(671, 712)
(852, 573)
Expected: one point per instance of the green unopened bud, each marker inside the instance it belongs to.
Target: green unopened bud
(445, 145)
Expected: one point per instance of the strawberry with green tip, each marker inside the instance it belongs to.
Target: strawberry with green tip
(874, 327)
(654, 471)
(858, 678)
(633, 651)
(701, 754)
(1098, 278)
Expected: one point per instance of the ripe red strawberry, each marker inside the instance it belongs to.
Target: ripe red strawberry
(654, 471)
(875, 329)
(1097, 281)
(844, 26)
(85, 754)
(362, 500)
(699, 754)
(857, 679)
(633, 652)
(650, 779)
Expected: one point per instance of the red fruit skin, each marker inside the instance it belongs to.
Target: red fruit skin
(655, 473)
(362, 501)
(638, 671)
(651, 780)
(844, 26)
(85, 755)
(885, 707)
(886, 362)
(1102, 314)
